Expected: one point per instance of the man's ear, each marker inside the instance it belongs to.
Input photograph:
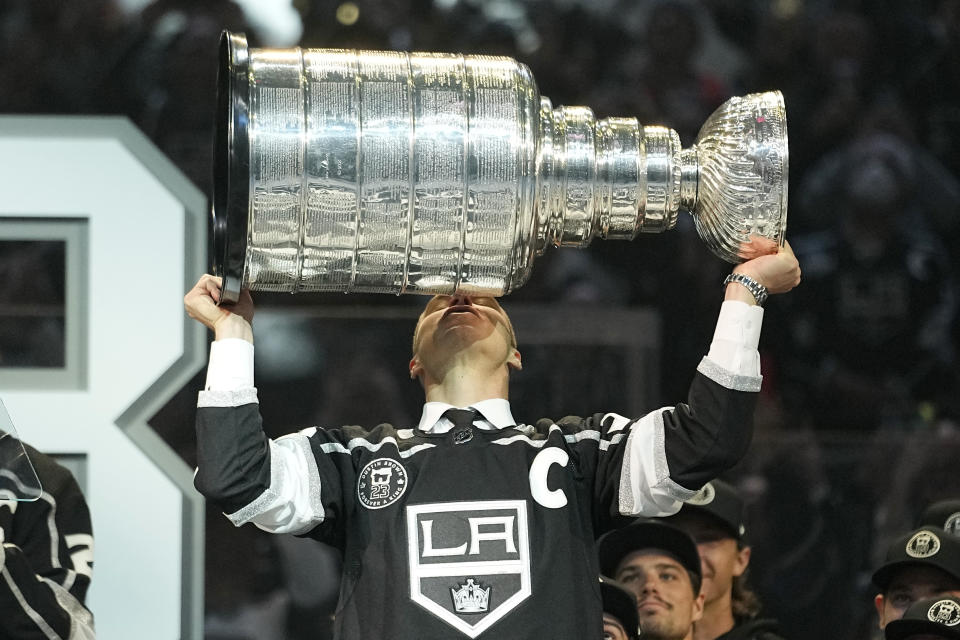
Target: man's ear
(743, 561)
(698, 606)
(878, 603)
(514, 361)
(415, 367)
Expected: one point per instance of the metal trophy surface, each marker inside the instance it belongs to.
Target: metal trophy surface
(378, 171)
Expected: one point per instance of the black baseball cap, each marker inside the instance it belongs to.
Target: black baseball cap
(926, 546)
(938, 617)
(647, 534)
(621, 603)
(721, 502)
(944, 514)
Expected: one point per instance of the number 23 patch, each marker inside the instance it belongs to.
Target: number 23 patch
(381, 483)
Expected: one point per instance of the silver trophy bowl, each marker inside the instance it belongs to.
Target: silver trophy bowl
(387, 172)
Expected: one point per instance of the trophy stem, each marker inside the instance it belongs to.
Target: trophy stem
(689, 179)
(609, 178)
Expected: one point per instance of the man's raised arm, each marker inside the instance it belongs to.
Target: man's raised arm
(250, 477)
(672, 452)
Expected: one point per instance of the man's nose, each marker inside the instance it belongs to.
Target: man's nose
(458, 299)
(649, 585)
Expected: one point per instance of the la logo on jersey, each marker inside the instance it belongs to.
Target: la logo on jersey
(469, 561)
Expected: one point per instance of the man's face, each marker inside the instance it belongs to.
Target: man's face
(721, 559)
(452, 326)
(909, 584)
(613, 629)
(665, 600)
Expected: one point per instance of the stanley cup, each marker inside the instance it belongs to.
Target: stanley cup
(387, 172)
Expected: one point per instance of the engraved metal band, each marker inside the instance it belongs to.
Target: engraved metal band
(758, 290)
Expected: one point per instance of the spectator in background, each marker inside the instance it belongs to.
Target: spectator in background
(714, 518)
(932, 88)
(805, 540)
(54, 56)
(927, 620)
(46, 557)
(660, 564)
(921, 564)
(619, 611)
(165, 77)
(666, 85)
(944, 514)
(837, 92)
(874, 328)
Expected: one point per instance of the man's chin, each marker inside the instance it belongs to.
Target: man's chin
(653, 626)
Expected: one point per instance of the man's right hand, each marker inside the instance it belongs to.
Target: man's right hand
(234, 321)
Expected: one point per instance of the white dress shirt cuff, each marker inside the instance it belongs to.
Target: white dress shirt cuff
(735, 340)
(231, 365)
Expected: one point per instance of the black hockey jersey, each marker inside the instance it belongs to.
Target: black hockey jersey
(488, 534)
(47, 558)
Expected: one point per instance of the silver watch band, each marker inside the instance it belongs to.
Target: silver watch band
(758, 291)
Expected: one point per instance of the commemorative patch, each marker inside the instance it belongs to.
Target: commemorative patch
(945, 612)
(923, 544)
(381, 483)
(952, 524)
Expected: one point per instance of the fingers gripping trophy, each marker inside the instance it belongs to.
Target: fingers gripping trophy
(378, 171)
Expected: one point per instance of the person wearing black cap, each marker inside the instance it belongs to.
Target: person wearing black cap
(944, 514)
(922, 564)
(660, 564)
(928, 619)
(619, 611)
(714, 518)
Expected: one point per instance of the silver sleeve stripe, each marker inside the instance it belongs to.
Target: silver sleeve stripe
(70, 575)
(336, 447)
(227, 398)
(588, 434)
(520, 438)
(676, 491)
(292, 502)
(660, 446)
(45, 628)
(55, 540)
(538, 443)
(55, 562)
(81, 620)
(729, 379)
(645, 485)
(606, 444)
(316, 498)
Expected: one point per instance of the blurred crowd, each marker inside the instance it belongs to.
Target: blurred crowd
(859, 425)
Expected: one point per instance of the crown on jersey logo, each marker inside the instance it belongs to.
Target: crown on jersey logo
(470, 598)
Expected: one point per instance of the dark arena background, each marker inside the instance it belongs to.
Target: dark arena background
(858, 426)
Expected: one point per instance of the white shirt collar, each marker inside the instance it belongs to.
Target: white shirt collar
(496, 415)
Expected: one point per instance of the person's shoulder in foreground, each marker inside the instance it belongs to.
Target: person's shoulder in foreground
(46, 558)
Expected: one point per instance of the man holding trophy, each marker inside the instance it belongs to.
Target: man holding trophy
(470, 523)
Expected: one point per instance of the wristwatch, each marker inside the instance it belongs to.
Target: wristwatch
(758, 290)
